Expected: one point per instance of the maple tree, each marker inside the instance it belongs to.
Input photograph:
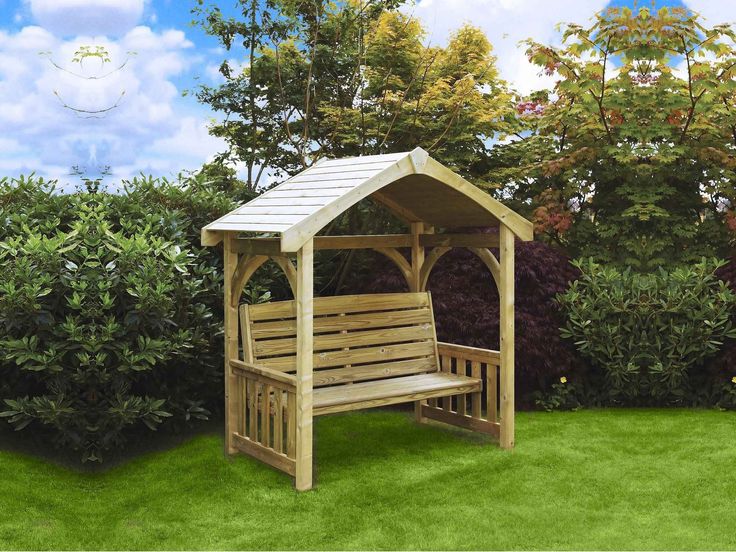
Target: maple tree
(631, 156)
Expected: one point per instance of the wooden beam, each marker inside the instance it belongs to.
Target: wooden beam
(506, 297)
(397, 209)
(362, 242)
(276, 459)
(231, 344)
(209, 238)
(473, 424)
(270, 247)
(475, 354)
(304, 365)
(459, 240)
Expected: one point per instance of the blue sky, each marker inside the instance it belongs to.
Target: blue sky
(154, 129)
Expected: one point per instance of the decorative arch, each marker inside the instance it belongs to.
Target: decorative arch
(484, 254)
(248, 265)
(399, 260)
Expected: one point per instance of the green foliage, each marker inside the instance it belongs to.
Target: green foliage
(631, 156)
(350, 78)
(562, 396)
(648, 333)
(110, 313)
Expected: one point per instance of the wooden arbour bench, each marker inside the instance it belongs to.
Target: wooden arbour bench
(369, 351)
(310, 356)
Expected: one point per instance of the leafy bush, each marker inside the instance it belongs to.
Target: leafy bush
(648, 332)
(466, 309)
(110, 313)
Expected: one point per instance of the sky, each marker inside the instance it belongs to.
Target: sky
(155, 54)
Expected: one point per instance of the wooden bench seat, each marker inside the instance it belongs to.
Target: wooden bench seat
(392, 391)
(368, 351)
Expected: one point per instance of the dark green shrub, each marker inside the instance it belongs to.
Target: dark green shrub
(647, 333)
(110, 312)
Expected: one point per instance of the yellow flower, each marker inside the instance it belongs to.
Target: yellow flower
(733, 379)
(563, 379)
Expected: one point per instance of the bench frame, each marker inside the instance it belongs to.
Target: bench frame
(263, 401)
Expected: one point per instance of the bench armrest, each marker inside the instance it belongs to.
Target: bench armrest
(486, 356)
(262, 371)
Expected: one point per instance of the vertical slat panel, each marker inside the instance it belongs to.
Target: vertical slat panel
(461, 369)
(447, 367)
(253, 410)
(291, 425)
(266, 416)
(278, 421)
(475, 398)
(492, 393)
(242, 401)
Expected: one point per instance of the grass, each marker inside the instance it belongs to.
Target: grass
(598, 479)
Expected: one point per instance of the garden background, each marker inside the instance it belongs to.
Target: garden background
(110, 311)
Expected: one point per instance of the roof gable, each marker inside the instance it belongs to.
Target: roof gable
(301, 206)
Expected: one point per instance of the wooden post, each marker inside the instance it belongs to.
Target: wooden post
(506, 297)
(304, 361)
(415, 285)
(231, 342)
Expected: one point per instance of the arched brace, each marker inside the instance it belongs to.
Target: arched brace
(289, 270)
(437, 253)
(428, 264)
(490, 260)
(399, 260)
(247, 267)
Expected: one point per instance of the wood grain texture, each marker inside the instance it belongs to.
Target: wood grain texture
(304, 362)
(467, 422)
(506, 293)
(269, 456)
(324, 191)
(231, 344)
(391, 391)
(469, 353)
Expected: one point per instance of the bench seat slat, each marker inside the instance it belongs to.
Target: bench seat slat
(392, 391)
(355, 356)
(353, 339)
(373, 371)
(335, 323)
(342, 304)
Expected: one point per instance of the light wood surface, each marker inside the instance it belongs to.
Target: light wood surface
(506, 293)
(231, 346)
(304, 361)
(411, 184)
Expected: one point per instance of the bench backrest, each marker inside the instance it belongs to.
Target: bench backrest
(356, 337)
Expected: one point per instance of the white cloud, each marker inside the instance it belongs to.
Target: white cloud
(506, 22)
(714, 12)
(150, 129)
(76, 17)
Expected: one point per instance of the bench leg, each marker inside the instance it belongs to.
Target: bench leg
(418, 416)
(304, 448)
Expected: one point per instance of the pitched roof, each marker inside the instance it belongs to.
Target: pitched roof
(411, 183)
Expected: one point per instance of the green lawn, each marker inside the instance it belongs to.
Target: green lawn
(607, 479)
